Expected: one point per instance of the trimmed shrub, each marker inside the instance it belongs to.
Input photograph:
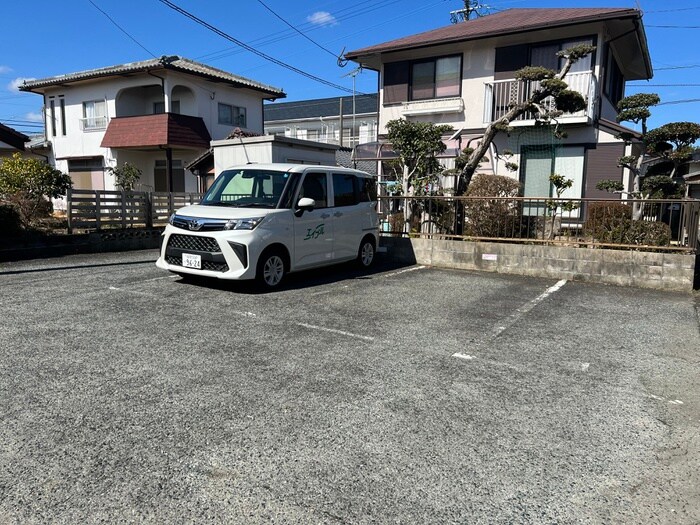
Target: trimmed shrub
(493, 217)
(607, 221)
(649, 233)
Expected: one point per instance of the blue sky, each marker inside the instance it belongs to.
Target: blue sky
(74, 35)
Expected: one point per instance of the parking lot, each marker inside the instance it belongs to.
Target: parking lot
(406, 395)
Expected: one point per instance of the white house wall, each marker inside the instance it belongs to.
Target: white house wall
(478, 61)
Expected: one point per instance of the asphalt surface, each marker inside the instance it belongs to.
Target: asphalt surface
(407, 395)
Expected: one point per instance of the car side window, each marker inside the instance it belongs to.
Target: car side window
(366, 189)
(344, 189)
(315, 186)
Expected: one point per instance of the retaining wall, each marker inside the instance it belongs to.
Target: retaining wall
(664, 271)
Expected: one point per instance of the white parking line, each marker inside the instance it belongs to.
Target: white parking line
(515, 316)
(114, 288)
(334, 331)
(413, 269)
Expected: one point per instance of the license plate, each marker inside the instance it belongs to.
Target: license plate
(190, 260)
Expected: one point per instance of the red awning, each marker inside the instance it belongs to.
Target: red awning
(161, 130)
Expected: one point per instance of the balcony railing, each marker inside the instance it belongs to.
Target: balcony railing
(93, 123)
(501, 95)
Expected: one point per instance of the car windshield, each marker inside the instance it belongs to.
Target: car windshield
(247, 188)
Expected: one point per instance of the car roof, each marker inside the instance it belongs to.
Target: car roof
(296, 168)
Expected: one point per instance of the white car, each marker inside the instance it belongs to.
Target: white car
(262, 221)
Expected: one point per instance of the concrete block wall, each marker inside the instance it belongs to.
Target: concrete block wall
(665, 271)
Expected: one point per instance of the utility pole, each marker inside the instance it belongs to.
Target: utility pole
(471, 7)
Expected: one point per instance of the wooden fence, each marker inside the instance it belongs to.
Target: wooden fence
(94, 210)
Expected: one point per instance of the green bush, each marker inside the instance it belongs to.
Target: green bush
(648, 233)
(612, 223)
(607, 221)
(493, 217)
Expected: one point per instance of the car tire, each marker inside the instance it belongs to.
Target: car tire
(272, 268)
(366, 253)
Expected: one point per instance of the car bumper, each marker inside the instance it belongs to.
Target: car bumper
(223, 254)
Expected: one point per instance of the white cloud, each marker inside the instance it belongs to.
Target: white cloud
(322, 18)
(16, 83)
(5, 69)
(34, 116)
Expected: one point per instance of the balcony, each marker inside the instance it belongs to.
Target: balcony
(93, 123)
(164, 130)
(502, 94)
(433, 106)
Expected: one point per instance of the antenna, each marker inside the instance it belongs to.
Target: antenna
(471, 7)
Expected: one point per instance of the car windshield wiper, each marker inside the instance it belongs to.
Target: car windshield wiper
(259, 205)
(221, 203)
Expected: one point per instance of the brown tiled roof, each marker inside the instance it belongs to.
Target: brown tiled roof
(176, 63)
(164, 129)
(503, 23)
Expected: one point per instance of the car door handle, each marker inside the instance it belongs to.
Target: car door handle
(338, 214)
(325, 215)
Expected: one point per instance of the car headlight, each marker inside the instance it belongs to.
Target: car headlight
(171, 219)
(248, 223)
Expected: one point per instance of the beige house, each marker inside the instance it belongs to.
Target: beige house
(464, 75)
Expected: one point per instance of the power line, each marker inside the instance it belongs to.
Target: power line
(674, 27)
(283, 35)
(676, 67)
(245, 46)
(673, 10)
(339, 58)
(122, 29)
(684, 101)
(663, 85)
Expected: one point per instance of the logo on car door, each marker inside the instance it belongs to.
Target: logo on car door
(314, 233)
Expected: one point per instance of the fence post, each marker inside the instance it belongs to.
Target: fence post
(171, 205)
(149, 209)
(98, 211)
(69, 210)
(123, 210)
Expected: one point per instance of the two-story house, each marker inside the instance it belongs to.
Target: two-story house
(322, 120)
(157, 114)
(464, 75)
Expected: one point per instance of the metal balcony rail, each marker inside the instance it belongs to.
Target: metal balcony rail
(501, 95)
(636, 224)
(93, 123)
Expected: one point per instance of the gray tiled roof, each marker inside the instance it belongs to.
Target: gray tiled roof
(503, 23)
(320, 107)
(176, 63)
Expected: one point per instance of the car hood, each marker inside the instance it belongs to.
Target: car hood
(222, 212)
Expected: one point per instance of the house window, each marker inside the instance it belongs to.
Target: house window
(159, 107)
(539, 163)
(512, 58)
(62, 101)
(422, 79)
(52, 117)
(436, 78)
(94, 115)
(614, 80)
(232, 115)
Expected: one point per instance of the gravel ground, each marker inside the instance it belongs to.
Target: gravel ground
(407, 395)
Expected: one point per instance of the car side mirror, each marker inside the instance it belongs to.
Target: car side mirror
(304, 204)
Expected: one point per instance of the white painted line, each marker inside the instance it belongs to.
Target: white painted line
(413, 269)
(676, 402)
(334, 331)
(131, 291)
(160, 278)
(464, 356)
(515, 316)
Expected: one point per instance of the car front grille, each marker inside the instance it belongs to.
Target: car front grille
(194, 243)
(212, 258)
(206, 265)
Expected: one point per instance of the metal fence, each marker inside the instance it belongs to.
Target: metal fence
(658, 224)
(93, 210)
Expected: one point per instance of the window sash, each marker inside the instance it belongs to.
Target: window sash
(437, 78)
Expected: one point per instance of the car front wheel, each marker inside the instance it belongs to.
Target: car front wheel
(271, 269)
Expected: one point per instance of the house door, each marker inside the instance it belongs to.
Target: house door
(160, 176)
